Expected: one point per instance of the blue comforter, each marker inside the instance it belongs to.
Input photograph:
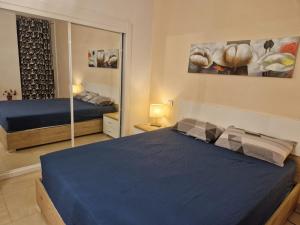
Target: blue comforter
(163, 178)
(28, 114)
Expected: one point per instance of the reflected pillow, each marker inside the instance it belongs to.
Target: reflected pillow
(205, 131)
(101, 100)
(86, 95)
(260, 146)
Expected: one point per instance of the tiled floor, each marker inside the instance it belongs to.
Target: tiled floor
(17, 201)
(30, 156)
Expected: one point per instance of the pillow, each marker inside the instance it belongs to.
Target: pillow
(100, 100)
(256, 145)
(88, 96)
(204, 131)
(85, 95)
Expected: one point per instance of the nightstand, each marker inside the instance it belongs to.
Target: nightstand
(111, 125)
(144, 127)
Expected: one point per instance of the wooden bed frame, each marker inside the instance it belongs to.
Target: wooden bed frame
(279, 217)
(45, 135)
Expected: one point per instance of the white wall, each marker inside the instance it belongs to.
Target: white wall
(115, 12)
(9, 60)
(106, 81)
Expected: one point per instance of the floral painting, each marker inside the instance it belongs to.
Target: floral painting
(108, 58)
(261, 58)
(103, 58)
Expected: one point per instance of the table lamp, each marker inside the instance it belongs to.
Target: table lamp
(156, 112)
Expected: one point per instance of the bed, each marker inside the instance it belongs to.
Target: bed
(26, 123)
(162, 177)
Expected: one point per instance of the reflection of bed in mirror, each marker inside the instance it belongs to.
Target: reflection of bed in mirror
(27, 123)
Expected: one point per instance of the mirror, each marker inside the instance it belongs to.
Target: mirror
(34, 99)
(97, 67)
(37, 87)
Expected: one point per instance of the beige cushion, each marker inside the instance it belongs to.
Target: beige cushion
(260, 146)
(86, 95)
(100, 100)
(205, 131)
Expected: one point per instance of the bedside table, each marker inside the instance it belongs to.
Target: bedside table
(111, 125)
(145, 127)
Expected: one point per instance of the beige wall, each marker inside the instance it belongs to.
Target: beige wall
(62, 71)
(105, 81)
(178, 24)
(9, 60)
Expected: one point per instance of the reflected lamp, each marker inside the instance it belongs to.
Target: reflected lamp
(77, 88)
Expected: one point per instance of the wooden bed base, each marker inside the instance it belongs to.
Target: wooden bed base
(286, 208)
(52, 216)
(46, 135)
(48, 210)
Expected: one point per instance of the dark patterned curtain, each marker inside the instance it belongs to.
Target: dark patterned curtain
(35, 56)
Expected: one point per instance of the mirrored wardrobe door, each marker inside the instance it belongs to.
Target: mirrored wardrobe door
(96, 66)
(34, 89)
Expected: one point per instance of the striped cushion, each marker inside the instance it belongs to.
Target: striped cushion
(86, 95)
(205, 131)
(256, 145)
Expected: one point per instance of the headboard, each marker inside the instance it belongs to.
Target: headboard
(277, 126)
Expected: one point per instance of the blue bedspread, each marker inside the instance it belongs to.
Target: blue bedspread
(28, 114)
(163, 178)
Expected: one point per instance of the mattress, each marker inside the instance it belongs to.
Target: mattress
(29, 114)
(163, 178)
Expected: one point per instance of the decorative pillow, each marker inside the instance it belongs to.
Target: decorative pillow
(256, 145)
(85, 95)
(205, 131)
(100, 100)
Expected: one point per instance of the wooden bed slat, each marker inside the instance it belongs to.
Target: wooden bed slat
(286, 208)
(3, 137)
(46, 135)
(297, 161)
(48, 210)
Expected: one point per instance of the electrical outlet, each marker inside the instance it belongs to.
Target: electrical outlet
(171, 102)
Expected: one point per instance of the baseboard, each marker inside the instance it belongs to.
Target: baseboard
(20, 171)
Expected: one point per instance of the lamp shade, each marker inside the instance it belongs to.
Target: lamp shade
(156, 110)
(77, 88)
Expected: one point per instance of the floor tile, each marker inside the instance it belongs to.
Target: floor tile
(21, 203)
(4, 215)
(295, 218)
(18, 183)
(288, 223)
(35, 219)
